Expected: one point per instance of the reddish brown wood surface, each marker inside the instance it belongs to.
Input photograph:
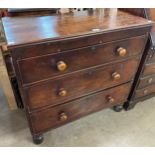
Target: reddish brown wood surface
(145, 91)
(80, 84)
(46, 66)
(149, 69)
(135, 11)
(50, 118)
(31, 29)
(146, 81)
(89, 83)
(31, 12)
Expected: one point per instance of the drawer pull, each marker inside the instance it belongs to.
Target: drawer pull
(110, 99)
(62, 92)
(63, 117)
(151, 55)
(145, 92)
(61, 66)
(150, 80)
(121, 51)
(116, 76)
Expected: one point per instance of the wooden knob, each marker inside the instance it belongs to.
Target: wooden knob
(150, 80)
(116, 76)
(62, 92)
(110, 99)
(121, 51)
(63, 116)
(145, 92)
(61, 66)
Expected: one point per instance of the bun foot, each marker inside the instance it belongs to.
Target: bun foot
(118, 108)
(38, 139)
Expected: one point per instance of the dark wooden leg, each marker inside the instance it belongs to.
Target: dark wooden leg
(38, 139)
(129, 105)
(118, 108)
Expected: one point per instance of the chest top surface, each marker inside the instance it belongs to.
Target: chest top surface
(21, 30)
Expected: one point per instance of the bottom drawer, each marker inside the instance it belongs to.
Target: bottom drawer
(53, 117)
(145, 91)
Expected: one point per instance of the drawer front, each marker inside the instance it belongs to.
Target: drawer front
(56, 46)
(39, 68)
(72, 86)
(145, 91)
(149, 69)
(146, 81)
(65, 113)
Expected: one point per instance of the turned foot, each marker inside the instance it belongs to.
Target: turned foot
(38, 139)
(129, 105)
(118, 108)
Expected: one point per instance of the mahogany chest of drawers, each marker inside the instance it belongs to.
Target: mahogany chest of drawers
(68, 66)
(144, 83)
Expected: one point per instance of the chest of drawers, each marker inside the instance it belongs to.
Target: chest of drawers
(68, 66)
(144, 83)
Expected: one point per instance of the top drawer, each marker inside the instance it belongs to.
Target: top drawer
(44, 67)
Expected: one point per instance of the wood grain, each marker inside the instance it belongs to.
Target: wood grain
(78, 59)
(149, 69)
(79, 84)
(145, 91)
(146, 81)
(92, 81)
(46, 119)
(32, 29)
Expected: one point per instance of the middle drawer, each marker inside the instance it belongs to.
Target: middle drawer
(48, 66)
(149, 69)
(79, 84)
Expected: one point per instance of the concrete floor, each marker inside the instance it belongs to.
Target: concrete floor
(105, 128)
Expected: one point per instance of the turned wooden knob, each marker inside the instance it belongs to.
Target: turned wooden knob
(150, 80)
(110, 99)
(62, 92)
(63, 116)
(121, 51)
(145, 92)
(116, 76)
(61, 66)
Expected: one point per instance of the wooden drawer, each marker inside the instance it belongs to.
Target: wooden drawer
(73, 42)
(72, 86)
(59, 115)
(149, 69)
(146, 81)
(39, 68)
(145, 91)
